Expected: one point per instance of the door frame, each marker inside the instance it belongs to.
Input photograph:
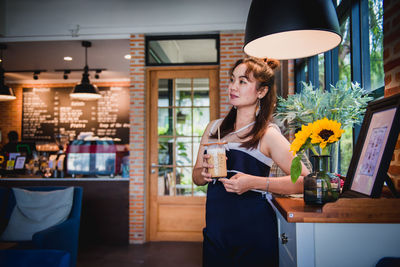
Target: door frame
(214, 109)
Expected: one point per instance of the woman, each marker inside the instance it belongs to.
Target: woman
(240, 224)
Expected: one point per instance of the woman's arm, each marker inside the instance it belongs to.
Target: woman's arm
(241, 183)
(275, 146)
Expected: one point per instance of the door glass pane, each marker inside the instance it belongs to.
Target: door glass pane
(184, 181)
(183, 95)
(201, 89)
(165, 92)
(165, 150)
(183, 151)
(165, 179)
(201, 118)
(196, 145)
(165, 118)
(184, 121)
(199, 190)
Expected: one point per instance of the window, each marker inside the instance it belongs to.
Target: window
(345, 52)
(359, 58)
(182, 50)
(375, 16)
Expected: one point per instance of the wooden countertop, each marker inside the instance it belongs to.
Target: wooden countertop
(344, 210)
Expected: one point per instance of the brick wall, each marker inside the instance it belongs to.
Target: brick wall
(391, 58)
(231, 49)
(137, 141)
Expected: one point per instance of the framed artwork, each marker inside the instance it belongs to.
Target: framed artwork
(374, 149)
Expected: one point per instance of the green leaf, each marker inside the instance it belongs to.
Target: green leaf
(295, 169)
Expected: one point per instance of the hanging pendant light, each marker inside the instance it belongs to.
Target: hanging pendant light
(85, 90)
(6, 93)
(289, 29)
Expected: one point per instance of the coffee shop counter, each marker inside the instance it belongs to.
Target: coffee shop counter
(105, 206)
(348, 232)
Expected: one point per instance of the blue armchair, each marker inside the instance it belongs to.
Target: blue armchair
(63, 236)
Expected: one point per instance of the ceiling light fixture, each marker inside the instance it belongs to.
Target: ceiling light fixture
(85, 90)
(289, 29)
(68, 58)
(35, 74)
(66, 72)
(6, 93)
(97, 76)
(127, 56)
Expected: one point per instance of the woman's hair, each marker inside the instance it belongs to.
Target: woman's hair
(263, 72)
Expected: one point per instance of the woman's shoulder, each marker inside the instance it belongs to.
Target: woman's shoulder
(274, 126)
(272, 132)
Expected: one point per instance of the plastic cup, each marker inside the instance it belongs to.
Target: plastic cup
(218, 159)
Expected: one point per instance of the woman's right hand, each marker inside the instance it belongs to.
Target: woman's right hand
(206, 175)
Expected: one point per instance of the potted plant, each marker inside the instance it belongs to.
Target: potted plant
(342, 103)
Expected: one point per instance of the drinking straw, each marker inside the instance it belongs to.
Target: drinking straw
(219, 140)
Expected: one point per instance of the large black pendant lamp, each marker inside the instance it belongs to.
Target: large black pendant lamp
(6, 93)
(289, 29)
(85, 90)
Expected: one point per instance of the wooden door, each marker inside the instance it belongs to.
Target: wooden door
(182, 102)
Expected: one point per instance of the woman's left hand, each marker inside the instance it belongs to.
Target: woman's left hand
(239, 183)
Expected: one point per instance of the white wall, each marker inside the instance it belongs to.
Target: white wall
(111, 19)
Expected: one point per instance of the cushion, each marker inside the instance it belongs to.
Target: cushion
(37, 210)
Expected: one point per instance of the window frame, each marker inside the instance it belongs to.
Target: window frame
(357, 10)
(149, 38)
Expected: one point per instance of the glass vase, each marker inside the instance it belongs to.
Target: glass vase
(321, 186)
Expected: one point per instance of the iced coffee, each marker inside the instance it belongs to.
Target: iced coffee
(217, 159)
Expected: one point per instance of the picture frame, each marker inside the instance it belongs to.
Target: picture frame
(373, 152)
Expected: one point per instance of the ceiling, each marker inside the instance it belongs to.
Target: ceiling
(49, 56)
(21, 59)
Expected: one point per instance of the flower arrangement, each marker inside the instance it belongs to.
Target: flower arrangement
(342, 103)
(321, 115)
(321, 133)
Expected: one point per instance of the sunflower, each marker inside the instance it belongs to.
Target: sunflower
(301, 138)
(325, 131)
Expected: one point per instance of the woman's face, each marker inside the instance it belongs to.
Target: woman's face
(242, 88)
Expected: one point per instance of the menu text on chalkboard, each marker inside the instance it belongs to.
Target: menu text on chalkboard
(50, 111)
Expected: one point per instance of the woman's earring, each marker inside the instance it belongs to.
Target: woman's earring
(258, 108)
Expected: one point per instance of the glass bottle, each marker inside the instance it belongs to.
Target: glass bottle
(321, 186)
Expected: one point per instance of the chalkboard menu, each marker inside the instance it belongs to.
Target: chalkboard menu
(49, 111)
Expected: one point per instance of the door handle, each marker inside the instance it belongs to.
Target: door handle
(153, 165)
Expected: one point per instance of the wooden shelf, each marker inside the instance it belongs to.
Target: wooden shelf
(344, 210)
